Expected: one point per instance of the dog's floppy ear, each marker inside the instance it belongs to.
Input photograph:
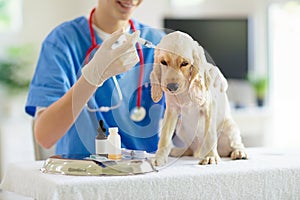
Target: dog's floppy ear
(199, 78)
(198, 87)
(194, 73)
(199, 57)
(198, 65)
(207, 79)
(155, 79)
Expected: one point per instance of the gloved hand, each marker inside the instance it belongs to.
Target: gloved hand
(218, 80)
(108, 62)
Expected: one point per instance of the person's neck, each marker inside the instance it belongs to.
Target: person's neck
(108, 24)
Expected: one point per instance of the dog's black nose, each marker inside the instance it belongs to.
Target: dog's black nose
(172, 87)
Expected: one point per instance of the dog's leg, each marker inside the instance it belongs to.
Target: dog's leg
(207, 151)
(230, 141)
(164, 145)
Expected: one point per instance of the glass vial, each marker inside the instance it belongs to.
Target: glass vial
(114, 144)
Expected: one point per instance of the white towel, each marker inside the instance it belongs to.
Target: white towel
(267, 174)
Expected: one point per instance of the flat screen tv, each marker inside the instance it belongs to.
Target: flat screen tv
(225, 40)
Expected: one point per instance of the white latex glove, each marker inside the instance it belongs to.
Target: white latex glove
(218, 80)
(108, 62)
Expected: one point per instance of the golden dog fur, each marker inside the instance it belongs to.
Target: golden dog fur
(196, 112)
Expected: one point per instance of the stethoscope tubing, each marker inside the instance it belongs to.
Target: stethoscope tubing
(141, 71)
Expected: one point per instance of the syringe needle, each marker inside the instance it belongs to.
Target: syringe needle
(146, 43)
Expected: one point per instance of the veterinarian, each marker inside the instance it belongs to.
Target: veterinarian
(89, 64)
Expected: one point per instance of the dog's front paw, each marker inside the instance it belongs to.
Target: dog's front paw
(159, 160)
(238, 154)
(209, 160)
(161, 157)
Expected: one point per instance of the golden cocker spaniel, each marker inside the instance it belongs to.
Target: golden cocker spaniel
(197, 120)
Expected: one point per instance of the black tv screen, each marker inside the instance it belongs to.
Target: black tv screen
(225, 40)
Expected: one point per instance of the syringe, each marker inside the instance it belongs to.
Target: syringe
(146, 43)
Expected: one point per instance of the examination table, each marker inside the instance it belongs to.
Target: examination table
(267, 174)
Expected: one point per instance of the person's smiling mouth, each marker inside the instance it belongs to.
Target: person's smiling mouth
(126, 4)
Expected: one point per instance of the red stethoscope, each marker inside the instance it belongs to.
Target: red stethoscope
(138, 113)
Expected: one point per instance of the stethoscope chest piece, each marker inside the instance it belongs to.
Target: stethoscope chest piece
(137, 114)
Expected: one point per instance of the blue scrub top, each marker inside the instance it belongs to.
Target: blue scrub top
(59, 67)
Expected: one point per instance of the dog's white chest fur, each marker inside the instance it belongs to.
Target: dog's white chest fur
(190, 126)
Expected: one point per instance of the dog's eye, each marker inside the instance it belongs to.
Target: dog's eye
(163, 62)
(183, 64)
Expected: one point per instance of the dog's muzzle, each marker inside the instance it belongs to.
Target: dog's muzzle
(172, 87)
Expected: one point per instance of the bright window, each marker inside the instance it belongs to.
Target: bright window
(284, 20)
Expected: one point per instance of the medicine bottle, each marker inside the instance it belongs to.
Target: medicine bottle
(114, 144)
(101, 140)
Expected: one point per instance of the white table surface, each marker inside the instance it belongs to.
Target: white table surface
(267, 174)
(5, 195)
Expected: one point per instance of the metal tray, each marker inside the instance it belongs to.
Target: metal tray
(89, 167)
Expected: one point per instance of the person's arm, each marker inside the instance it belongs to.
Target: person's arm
(53, 122)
